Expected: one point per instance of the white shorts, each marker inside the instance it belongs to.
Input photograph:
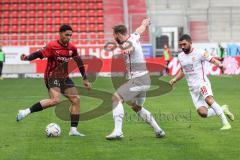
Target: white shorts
(200, 93)
(135, 89)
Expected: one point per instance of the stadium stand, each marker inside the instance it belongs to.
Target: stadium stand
(34, 22)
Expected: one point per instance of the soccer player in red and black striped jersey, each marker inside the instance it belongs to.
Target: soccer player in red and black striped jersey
(60, 54)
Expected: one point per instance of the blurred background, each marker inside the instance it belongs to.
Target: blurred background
(27, 25)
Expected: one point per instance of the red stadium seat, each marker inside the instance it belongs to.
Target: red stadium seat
(74, 20)
(14, 29)
(22, 6)
(39, 13)
(5, 21)
(23, 29)
(65, 20)
(91, 6)
(57, 13)
(22, 14)
(93, 35)
(31, 20)
(48, 28)
(65, 13)
(31, 14)
(39, 28)
(99, 6)
(82, 13)
(14, 7)
(91, 28)
(101, 35)
(100, 20)
(99, 13)
(48, 6)
(39, 21)
(5, 7)
(82, 6)
(56, 6)
(31, 28)
(91, 20)
(48, 13)
(6, 14)
(83, 28)
(14, 14)
(82, 20)
(56, 20)
(5, 29)
(14, 21)
(74, 13)
(40, 6)
(65, 6)
(31, 6)
(91, 13)
(23, 21)
(49, 20)
(100, 27)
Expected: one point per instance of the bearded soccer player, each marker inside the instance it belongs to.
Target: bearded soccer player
(139, 81)
(59, 54)
(192, 62)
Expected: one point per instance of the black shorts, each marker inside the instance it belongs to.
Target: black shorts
(61, 83)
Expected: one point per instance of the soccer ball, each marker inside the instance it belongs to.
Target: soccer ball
(53, 130)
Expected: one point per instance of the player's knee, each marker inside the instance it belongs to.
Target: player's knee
(202, 112)
(75, 100)
(55, 100)
(209, 100)
(136, 107)
(116, 98)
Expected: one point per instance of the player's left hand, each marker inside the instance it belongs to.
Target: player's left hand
(87, 84)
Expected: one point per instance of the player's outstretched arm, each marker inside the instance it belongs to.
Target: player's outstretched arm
(143, 27)
(217, 63)
(32, 56)
(179, 76)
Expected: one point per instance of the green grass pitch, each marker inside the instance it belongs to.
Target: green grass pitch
(188, 135)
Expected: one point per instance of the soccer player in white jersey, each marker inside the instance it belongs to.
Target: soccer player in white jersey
(139, 81)
(192, 67)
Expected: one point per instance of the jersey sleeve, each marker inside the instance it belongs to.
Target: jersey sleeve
(46, 50)
(74, 49)
(205, 55)
(136, 36)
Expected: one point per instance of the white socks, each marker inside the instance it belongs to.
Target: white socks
(118, 114)
(218, 110)
(211, 112)
(147, 117)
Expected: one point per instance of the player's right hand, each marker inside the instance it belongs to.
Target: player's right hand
(23, 57)
(172, 81)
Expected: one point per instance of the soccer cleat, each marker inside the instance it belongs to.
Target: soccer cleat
(114, 136)
(74, 132)
(226, 127)
(22, 114)
(160, 134)
(227, 112)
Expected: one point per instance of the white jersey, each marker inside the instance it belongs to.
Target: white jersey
(192, 65)
(135, 61)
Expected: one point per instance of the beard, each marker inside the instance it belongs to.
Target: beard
(118, 41)
(186, 50)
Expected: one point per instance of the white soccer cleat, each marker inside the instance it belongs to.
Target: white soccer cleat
(226, 127)
(227, 112)
(114, 136)
(22, 114)
(160, 134)
(74, 132)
